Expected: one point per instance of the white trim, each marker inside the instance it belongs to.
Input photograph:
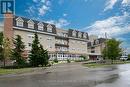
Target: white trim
(79, 34)
(79, 39)
(94, 54)
(19, 19)
(30, 21)
(32, 30)
(74, 33)
(40, 24)
(49, 28)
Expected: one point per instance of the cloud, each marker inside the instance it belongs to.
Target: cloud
(59, 23)
(113, 26)
(42, 10)
(110, 4)
(126, 2)
(30, 10)
(35, 0)
(65, 14)
(40, 7)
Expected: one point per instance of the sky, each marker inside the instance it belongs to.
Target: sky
(93, 16)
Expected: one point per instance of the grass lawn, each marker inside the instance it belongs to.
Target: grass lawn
(15, 71)
(97, 65)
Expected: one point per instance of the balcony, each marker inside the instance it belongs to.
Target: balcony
(62, 49)
(64, 45)
(62, 36)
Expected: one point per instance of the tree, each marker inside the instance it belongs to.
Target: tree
(1, 46)
(128, 56)
(112, 50)
(38, 55)
(6, 50)
(18, 50)
(34, 56)
(44, 58)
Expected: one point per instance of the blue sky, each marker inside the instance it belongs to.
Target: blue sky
(93, 16)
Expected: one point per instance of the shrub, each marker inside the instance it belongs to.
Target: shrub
(55, 60)
(84, 57)
(68, 61)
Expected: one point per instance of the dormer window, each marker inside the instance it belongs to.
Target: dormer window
(40, 26)
(97, 42)
(31, 24)
(84, 35)
(19, 22)
(49, 28)
(79, 34)
(74, 33)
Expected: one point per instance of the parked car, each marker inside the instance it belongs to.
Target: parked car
(124, 58)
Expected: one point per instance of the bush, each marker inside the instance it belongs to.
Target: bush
(128, 57)
(84, 57)
(55, 60)
(68, 61)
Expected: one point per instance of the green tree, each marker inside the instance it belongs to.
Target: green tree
(128, 56)
(38, 55)
(112, 50)
(18, 50)
(44, 58)
(1, 45)
(6, 50)
(34, 56)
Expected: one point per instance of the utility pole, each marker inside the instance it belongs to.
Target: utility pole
(106, 44)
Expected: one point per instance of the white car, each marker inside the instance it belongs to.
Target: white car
(124, 58)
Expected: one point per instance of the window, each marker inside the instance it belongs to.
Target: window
(79, 34)
(40, 26)
(92, 47)
(40, 37)
(74, 33)
(19, 22)
(97, 42)
(49, 28)
(31, 36)
(31, 24)
(84, 35)
(49, 46)
(83, 43)
(92, 51)
(29, 44)
(49, 38)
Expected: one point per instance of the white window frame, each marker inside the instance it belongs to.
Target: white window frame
(84, 35)
(19, 22)
(31, 24)
(79, 34)
(49, 28)
(40, 26)
(74, 33)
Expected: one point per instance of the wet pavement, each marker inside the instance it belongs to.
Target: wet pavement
(72, 75)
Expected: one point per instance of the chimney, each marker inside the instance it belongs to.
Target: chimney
(8, 26)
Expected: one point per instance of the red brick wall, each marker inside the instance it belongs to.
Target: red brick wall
(8, 26)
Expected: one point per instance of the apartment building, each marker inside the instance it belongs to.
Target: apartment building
(95, 48)
(61, 44)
